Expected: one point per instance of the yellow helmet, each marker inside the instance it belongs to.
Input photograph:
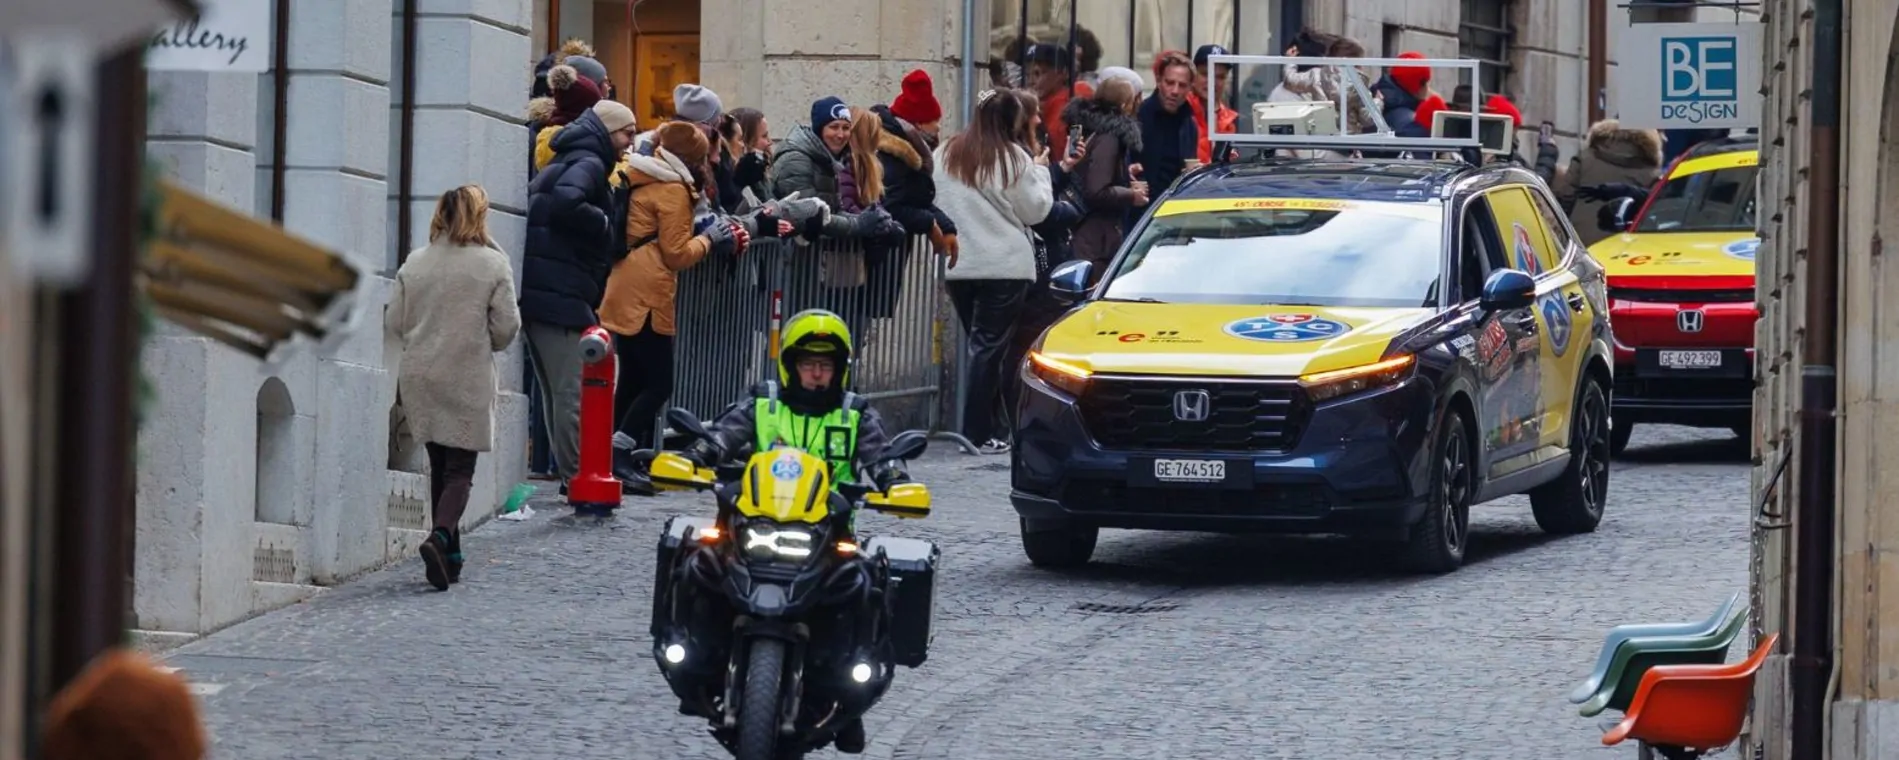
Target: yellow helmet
(815, 332)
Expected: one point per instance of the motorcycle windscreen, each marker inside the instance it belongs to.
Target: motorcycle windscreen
(787, 485)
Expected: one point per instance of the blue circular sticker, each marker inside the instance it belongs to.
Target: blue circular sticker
(1287, 328)
(1555, 311)
(1742, 249)
(787, 468)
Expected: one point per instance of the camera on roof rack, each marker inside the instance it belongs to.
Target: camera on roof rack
(1495, 131)
(1298, 117)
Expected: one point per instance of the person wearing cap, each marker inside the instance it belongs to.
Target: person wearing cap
(1225, 118)
(809, 165)
(570, 95)
(1328, 83)
(571, 245)
(696, 104)
(910, 135)
(1403, 89)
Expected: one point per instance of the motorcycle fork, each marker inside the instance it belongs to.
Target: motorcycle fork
(790, 686)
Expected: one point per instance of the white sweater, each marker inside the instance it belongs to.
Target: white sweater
(992, 222)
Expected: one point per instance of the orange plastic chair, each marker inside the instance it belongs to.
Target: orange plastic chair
(1696, 708)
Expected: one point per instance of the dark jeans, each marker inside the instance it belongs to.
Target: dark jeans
(988, 310)
(646, 382)
(451, 477)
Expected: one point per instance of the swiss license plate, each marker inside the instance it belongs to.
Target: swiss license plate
(1689, 359)
(1189, 470)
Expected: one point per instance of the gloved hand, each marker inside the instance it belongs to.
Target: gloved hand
(877, 222)
(723, 238)
(799, 209)
(889, 474)
(1609, 191)
(703, 453)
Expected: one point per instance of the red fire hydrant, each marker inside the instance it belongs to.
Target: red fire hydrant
(594, 490)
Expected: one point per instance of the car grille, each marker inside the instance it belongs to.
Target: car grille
(1651, 295)
(1241, 416)
(1274, 500)
(1685, 389)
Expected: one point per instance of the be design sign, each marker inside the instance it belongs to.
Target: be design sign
(1688, 76)
(228, 35)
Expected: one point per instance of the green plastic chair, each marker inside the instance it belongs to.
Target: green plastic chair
(1622, 633)
(1634, 657)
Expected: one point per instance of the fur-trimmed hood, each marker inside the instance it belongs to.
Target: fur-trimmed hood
(1632, 148)
(1094, 118)
(901, 149)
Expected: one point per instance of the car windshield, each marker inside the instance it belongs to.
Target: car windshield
(1712, 201)
(1320, 253)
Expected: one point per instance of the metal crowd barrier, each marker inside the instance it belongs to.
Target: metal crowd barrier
(730, 312)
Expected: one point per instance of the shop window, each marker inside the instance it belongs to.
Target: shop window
(1485, 35)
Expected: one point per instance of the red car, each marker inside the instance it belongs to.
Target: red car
(1681, 296)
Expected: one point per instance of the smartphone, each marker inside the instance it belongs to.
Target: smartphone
(1074, 140)
(1546, 133)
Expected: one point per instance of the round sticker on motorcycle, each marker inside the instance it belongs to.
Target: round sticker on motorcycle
(786, 467)
(1742, 249)
(1286, 328)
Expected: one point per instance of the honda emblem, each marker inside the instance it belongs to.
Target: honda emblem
(1690, 320)
(1192, 406)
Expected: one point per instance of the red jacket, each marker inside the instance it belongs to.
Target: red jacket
(1228, 119)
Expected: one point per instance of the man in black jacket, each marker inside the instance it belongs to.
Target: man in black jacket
(571, 246)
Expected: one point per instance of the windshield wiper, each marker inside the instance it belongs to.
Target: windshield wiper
(1142, 299)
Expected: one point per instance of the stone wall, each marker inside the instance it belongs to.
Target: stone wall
(259, 484)
(858, 50)
(1865, 717)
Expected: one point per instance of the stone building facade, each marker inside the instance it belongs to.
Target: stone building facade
(1864, 712)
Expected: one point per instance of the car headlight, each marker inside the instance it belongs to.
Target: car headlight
(1069, 378)
(770, 541)
(1325, 386)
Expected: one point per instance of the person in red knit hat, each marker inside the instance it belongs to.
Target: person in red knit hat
(917, 103)
(1405, 90)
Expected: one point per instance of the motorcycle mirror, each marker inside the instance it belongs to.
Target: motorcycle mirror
(908, 444)
(688, 422)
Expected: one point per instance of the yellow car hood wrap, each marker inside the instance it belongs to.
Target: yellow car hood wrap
(1115, 337)
(1677, 254)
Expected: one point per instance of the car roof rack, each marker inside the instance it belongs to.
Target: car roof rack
(1309, 125)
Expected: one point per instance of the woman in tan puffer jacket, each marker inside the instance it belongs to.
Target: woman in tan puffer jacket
(1610, 154)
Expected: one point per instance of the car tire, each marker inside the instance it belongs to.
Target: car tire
(1573, 502)
(1066, 546)
(1619, 438)
(1439, 540)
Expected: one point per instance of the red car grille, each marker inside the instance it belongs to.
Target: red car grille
(1650, 295)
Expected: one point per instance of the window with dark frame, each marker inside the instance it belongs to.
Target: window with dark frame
(1485, 33)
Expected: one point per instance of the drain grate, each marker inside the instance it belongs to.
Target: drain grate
(1126, 609)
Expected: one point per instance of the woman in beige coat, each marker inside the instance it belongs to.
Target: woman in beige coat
(452, 308)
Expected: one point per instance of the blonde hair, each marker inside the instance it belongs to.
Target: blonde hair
(462, 216)
(866, 128)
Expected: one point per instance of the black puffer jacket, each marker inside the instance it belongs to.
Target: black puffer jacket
(569, 240)
(909, 181)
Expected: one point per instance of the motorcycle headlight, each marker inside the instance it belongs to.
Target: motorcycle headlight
(765, 540)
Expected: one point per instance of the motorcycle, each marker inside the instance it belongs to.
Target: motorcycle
(770, 619)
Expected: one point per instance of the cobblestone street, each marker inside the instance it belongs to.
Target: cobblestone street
(1241, 646)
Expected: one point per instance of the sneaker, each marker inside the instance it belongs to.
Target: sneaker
(994, 446)
(434, 553)
(850, 738)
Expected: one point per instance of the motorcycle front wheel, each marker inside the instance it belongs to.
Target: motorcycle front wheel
(758, 710)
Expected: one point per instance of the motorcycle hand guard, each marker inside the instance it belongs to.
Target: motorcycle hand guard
(673, 471)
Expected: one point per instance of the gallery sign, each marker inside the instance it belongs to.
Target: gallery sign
(1688, 76)
(228, 35)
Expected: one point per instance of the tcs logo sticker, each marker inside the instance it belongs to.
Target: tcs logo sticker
(1700, 78)
(787, 468)
(1525, 250)
(1742, 249)
(1556, 320)
(1286, 328)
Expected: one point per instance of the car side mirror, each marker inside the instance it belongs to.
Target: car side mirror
(1068, 283)
(1616, 216)
(1508, 289)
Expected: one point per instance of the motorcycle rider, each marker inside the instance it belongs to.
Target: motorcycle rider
(810, 409)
